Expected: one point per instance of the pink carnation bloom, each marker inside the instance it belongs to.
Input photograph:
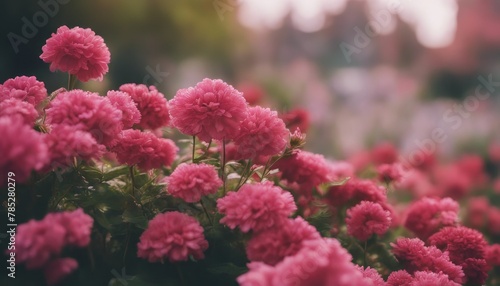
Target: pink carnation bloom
(372, 277)
(23, 88)
(256, 207)
(319, 262)
(144, 149)
(427, 215)
(272, 245)
(22, 150)
(86, 111)
(390, 172)
(172, 235)
(151, 104)
(306, 169)
(427, 278)
(341, 169)
(65, 143)
(366, 219)
(297, 120)
(452, 182)
(466, 247)
(492, 255)
(17, 108)
(354, 191)
(262, 134)
(210, 110)
(123, 102)
(192, 181)
(477, 212)
(384, 153)
(37, 242)
(494, 220)
(56, 270)
(399, 278)
(415, 256)
(78, 51)
(78, 226)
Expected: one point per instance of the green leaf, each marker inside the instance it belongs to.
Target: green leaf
(134, 215)
(115, 172)
(227, 268)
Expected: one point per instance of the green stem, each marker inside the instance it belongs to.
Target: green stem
(194, 144)
(132, 179)
(364, 255)
(206, 212)
(223, 166)
(179, 271)
(71, 81)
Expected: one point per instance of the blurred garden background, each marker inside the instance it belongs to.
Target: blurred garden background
(418, 74)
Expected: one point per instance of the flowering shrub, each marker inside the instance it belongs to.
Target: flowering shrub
(103, 197)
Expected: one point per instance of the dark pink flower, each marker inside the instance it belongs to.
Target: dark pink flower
(174, 236)
(151, 103)
(371, 276)
(123, 101)
(144, 149)
(428, 278)
(427, 215)
(256, 207)
(78, 51)
(319, 262)
(251, 92)
(37, 242)
(78, 226)
(492, 255)
(390, 172)
(66, 143)
(23, 88)
(415, 256)
(354, 191)
(86, 111)
(452, 182)
(399, 278)
(192, 181)
(367, 218)
(56, 270)
(494, 220)
(210, 110)
(296, 119)
(384, 153)
(262, 133)
(272, 245)
(477, 212)
(16, 108)
(22, 150)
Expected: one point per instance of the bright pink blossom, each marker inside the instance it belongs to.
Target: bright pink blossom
(56, 270)
(319, 262)
(78, 226)
(23, 88)
(399, 278)
(256, 207)
(262, 133)
(354, 191)
(210, 110)
(22, 150)
(122, 101)
(427, 215)
(371, 276)
(415, 256)
(78, 51)
(272, 245)
(65, 144)
(192, 181)
(16, 108)
(428, 278)
(151, 103)
(367, 218)
(144, 149)
(86, 111)
(174, 236)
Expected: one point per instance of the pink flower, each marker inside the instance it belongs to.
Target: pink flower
(272, 245)
(86, 111)
(466, 247)
(389, 172)
(65, 143)
(426, 278)
(192, 181)
(399, 278)
(144, 149)
(56, 270)
(262, 133)
(366, 219)
(78, 226)
(78, 51)
(251, 92)
(492, 255)
(354, 191)
(319, 262)
(297, 119)
(210, 110)
(384, 153)
(172, 235)
(122, 101)
(151, 104)
(15, 107)
(22, 150)
(256, 207)
(427, 215)
(415, 256)
(477, 212)
(37, 242)
(371, 276)
(494, 220)
(304, 168)
(23, 88)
